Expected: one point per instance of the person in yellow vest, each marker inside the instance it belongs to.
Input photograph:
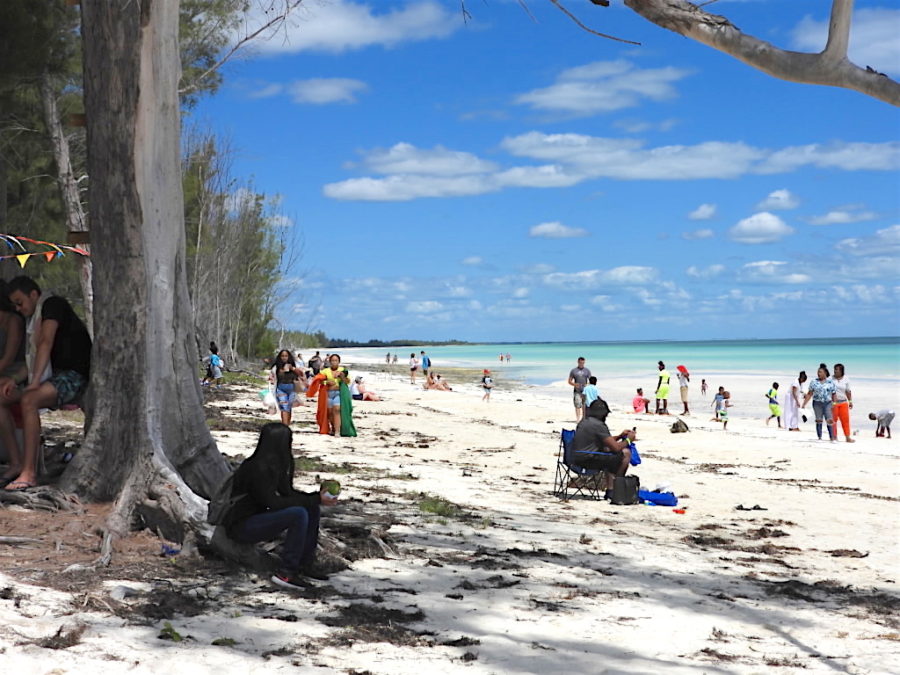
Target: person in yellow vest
(774, 406)
(662, 390)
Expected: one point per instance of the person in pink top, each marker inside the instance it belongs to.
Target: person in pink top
(639, 403)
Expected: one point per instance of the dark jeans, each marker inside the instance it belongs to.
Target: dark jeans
(302, 536)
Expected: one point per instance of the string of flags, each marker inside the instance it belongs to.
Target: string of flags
(21, 248)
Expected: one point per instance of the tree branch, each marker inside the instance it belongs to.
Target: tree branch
(829, 68)
(280, 17)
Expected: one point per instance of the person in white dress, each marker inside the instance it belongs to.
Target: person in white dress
(792, 403)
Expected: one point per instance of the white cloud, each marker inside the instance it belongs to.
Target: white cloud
(473, 261)
(884, 242)
(404, 158)
(705, 272)
(779, 200)
(873, 38)
(588, 279)
(569, 159)
(323, 90)
(424, 307)
(267, 91)
(341, 25)
(771, 271)
(639, 126)
(458, 291)
(538, 268)
(605, 303)
(556, 230)
(521, 292)
(280, 221)
(760, 228)
(698, 234)
(844, 215)
(703, 212)
(837, 155)
(603, 86)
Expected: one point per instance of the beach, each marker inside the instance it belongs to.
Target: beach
(785, 556)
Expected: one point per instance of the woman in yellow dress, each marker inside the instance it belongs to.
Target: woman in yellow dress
(662, 390)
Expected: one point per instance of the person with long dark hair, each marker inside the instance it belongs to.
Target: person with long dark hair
(284, 375)
(843, 402)
(269, 505)
(821, 391)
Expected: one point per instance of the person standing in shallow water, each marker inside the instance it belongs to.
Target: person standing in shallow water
(662, 390)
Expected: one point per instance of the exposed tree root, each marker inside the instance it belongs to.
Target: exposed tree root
(41, 498)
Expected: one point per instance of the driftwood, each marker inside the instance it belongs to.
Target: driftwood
(41, 498)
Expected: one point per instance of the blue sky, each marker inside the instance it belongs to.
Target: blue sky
(514, 178)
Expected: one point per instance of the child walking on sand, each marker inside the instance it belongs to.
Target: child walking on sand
(717, 405)
(723, 413)
(774, 407)
(487, 384)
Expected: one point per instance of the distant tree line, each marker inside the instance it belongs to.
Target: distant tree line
(318, 340)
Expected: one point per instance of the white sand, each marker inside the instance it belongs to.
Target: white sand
(550, 586)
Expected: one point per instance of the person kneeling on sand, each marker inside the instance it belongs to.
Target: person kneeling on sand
(595, 448)
(269, 505)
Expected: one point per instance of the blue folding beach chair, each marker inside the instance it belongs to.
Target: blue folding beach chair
(572, 479)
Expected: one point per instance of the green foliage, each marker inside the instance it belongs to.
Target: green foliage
(169, 633)
(224, 642)
(439, 507)
(314, 464)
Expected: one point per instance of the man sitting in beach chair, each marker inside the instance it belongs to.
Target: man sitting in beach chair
(595, 448)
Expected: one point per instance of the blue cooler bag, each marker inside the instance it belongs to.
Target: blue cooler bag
(658, 498)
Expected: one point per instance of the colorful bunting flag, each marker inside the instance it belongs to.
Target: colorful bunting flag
(22, 253)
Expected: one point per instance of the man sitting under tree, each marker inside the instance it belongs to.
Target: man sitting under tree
(592, 436)
(58, 363)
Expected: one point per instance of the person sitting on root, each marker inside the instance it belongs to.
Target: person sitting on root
(58, 355)
(270, 505)
(592, 436)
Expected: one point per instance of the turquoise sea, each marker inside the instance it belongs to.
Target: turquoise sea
(542, 363)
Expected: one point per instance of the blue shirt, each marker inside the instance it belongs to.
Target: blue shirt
(822, 391)
(590, 394)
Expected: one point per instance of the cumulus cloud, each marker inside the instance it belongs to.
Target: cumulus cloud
(873, 40)
(424, 307)
(323, 90)
(520, 292)
(844, 215)
(563, 160)
(342, 25)
(556, 230)
(779, 200)
(588, 279)
(705, 272)
(884, 242)
(698, 234)
(703, 212)
(771, 271)
(760, 228)
(603, 86)
(473, 261)
(405, 158)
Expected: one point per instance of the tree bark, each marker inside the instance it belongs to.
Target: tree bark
(830, 67)
(147, 444)
(68, 188)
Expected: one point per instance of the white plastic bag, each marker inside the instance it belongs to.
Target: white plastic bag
(270, 402)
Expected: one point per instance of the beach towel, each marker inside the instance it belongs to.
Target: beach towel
(658, 498)
(347, 427)
(316, 387)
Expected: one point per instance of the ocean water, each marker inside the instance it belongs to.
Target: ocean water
(544, 363)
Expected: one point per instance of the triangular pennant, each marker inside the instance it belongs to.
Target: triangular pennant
(49, 255)
(23, 258)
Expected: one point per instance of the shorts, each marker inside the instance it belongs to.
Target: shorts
(605, 461)
(413, 369)
(216, 372)
(334, 398)
(775, 409)
(578, 400)
(357, 397)
(684, 394)
(723, 414)
(286, 396)
(69, 384)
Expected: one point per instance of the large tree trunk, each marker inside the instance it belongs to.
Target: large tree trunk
(147, 443)
(68, 188)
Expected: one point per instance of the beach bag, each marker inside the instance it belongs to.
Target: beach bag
(625, 490)
(222, 501)
(635, 457)
(679, 427)
(658, 498)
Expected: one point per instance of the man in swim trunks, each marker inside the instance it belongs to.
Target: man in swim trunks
(578, 378)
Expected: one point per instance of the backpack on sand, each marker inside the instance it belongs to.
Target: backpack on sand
(679, 427)
(625, 490)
